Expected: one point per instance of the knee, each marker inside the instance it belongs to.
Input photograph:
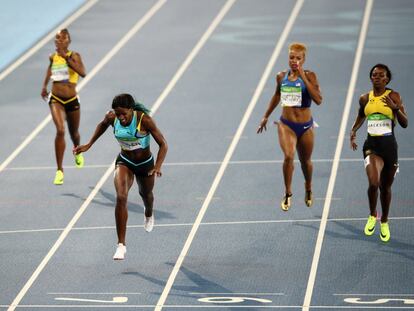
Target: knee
(121, 200)
(74, 134)
(60, 132)
(373, 186)
(385, 189)
(147, 196)
(289, 158)
(306, 163)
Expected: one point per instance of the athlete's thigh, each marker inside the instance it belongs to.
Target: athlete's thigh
(287, 138)
(146, 183)
(73, 118)
(123, 179)
(387, 176)
(305, 145)
(58, 114)
(373, 166)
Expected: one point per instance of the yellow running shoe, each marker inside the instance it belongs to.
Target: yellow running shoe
(308, 198)
(58, 178)
(79, 160)
(370, 225)
(285, 204)
(385, 232)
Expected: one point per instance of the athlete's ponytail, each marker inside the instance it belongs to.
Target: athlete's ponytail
(140, 107)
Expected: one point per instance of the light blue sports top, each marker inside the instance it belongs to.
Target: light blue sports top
(130, 137)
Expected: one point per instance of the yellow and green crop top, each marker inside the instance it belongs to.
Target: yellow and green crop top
(61, 72)
(130, 137)
(380, 117)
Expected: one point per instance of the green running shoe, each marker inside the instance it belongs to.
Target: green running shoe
(285, 204)
(58, 178)
(79, 160)
(385, 232)
(370, 226)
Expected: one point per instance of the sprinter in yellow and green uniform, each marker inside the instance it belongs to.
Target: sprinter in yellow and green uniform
(383, 108)
(64, 69)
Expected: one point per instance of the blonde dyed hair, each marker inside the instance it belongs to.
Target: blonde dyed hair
(297, 46)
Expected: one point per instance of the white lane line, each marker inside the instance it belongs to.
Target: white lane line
(114, 300)
(381, 295)
(72, 293)
(27, 168)
(108, 172)
(233, 293)
(338, 151)
(193, 307)
(46, 39)
(217, 223)
(230, 150)
(89, 76)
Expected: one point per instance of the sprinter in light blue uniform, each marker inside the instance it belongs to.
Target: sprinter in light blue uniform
(132, 129)
(296, 88)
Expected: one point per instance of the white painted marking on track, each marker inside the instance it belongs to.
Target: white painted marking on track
(217, 223)
(231, 148)
(151, 12)
(380, 301)
(338, 151)
(74, 293)
(373, 295)
(231, 299)
(117, 299)
(245, 162)
(264, 294)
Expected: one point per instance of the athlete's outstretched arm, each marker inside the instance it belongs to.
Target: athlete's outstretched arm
(274, 101)
(100, 129)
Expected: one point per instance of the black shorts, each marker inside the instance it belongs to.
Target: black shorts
(140, 169)
(70, 104)
(385, 147)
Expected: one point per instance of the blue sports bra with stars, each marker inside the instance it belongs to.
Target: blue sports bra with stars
(130, 137)
(294, 93)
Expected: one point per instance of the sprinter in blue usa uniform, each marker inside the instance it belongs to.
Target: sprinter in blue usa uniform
(296, 88)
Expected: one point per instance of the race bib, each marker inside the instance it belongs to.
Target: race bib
(130, 145)
(379, 125)
(291, 96)
(60, 72)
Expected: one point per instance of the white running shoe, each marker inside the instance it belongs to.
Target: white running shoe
(120, 252)
(148, 223)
